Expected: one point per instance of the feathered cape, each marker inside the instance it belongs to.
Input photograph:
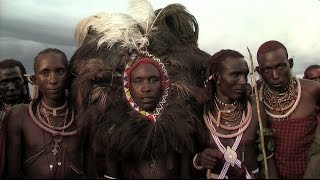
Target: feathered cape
(102, 106)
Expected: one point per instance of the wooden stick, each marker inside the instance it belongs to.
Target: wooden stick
(253, 80)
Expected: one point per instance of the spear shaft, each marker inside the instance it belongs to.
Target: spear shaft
(253, 80)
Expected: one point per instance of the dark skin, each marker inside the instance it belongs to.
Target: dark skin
(274, 68)
(313, 74)
(145, 87)
(27, 138)
(11, 85)
(231, 85)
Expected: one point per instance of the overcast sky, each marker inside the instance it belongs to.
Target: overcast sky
(29, 26)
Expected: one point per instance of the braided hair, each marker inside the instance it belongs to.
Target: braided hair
(215, 67)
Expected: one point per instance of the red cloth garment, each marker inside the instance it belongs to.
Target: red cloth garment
(294, 138)
(318, 113)
(2, 150)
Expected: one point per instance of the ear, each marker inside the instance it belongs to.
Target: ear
(25, 89)
(257, 69)
(33, 79)
(217, 78)
(290, 62)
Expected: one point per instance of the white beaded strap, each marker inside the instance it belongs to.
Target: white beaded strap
(109, 177)
(195, 164)
(255, 171)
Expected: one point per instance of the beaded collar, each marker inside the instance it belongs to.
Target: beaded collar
(282, 103)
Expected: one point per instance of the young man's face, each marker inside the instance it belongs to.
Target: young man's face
(232, 79)
(313, 74)
(52, 76)
(145, 86)
(274, 68)
(11, 85)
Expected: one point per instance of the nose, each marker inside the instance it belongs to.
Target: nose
(146, 87)
(275, 74)
(243, 80)
(11, 86)
(53, 78)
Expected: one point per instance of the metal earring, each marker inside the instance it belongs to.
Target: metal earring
(66, 92)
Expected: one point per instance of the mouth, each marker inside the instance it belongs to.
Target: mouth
(239, 90)
(54, 89)
(13, 96)
(147, 100)
(278, 85)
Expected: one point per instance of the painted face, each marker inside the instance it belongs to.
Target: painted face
(145, 86)
(313, 74)
(274, 68)
(11, 85)
(232, 79)
(51, 76)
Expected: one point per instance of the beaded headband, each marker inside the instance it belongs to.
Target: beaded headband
(165, 86)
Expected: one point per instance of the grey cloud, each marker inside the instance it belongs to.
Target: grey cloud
(25, 50)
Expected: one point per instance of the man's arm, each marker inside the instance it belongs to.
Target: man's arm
(272, 168)
(14, 144)
(313, 167)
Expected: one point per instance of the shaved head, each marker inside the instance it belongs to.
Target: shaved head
(270, 46)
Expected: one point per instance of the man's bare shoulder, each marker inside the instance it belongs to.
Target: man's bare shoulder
(18, 113)
(19, 109)
(311, 87)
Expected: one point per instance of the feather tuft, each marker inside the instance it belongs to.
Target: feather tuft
(142, 11)
(85, 25)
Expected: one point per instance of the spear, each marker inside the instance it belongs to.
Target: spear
(254, 84)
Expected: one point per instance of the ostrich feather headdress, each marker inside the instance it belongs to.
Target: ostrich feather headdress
(111, 28)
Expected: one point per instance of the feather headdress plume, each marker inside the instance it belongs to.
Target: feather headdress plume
(142, 11)
(85, 26)
(111, 28)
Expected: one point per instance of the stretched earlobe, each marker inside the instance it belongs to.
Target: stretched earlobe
(290, 62)
(217, 78)
(66, 92)
(25, 89)
(35, 92)
(257, 69)
(33, 79)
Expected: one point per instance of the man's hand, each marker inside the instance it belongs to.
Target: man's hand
(208, 158)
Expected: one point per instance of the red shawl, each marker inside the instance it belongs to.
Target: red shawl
(2, 149)
(293, 138)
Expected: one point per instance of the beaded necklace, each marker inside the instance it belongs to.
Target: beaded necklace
(230, 154)
(246, 119)
(58, 132)
(282, 103)
(48, 127)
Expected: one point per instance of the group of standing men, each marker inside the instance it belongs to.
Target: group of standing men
(146, 102)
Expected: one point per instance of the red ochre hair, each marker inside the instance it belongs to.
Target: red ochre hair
(270, 46)
(146, 60)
